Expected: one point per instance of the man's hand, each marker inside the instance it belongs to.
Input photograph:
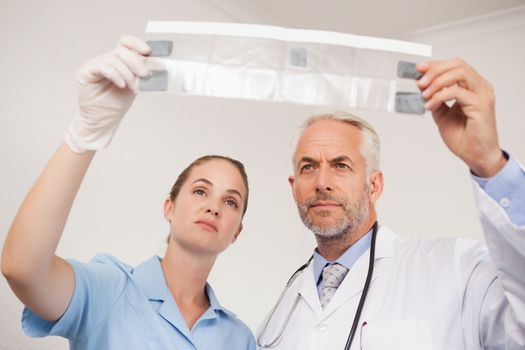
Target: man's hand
(105, 94)
(468, 127)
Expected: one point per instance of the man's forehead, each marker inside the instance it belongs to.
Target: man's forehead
(329, 136)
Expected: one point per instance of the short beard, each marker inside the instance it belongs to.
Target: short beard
(354, 215)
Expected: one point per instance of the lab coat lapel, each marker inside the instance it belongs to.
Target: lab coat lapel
(308, 291)
(353, 284)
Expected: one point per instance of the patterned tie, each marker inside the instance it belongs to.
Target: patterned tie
(333, 275)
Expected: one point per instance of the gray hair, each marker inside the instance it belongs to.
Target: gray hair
(370, 145)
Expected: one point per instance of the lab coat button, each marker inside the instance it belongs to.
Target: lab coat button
(504, 202)
(321, 327)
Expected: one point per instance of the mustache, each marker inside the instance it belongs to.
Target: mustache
(324, 196)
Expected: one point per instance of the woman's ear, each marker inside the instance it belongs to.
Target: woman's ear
(237, 233)
(168, 208)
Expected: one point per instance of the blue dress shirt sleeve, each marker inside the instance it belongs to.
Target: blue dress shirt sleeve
(507, 188)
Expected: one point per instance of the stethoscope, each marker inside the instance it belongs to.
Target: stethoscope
(292, 279)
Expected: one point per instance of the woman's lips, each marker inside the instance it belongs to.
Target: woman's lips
(207, 225)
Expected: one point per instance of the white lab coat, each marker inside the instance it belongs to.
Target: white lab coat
(440, 294)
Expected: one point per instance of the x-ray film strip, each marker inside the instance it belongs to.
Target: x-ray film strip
(284, 65)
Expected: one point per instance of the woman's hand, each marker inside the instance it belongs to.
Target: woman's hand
(106, 93)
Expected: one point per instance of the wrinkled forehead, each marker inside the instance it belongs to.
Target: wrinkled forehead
(329, 139)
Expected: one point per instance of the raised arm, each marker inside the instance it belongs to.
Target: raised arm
(468, 127)
(493, 309)
(43, 281)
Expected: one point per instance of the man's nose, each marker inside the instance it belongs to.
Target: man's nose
(323, 180)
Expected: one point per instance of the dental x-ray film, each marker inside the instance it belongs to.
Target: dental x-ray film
(284, 65)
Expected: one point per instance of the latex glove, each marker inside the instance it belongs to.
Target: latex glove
(105, 94)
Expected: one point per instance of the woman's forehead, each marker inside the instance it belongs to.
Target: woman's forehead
(220, 173)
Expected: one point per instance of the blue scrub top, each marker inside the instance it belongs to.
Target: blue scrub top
(115, 306)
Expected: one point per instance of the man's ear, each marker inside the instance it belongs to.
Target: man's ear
(291, 181)
(239, 230)
(375, 186)
(168, 207)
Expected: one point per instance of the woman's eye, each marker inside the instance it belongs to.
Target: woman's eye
(231, 203)
(199, 192)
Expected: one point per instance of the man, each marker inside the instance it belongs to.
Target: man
(423, 294)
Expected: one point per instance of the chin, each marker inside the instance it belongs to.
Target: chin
(326, 225)
(201, 247)
(326, 220)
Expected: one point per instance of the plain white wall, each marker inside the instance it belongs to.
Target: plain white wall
(118, 209)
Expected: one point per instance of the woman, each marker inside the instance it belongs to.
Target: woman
(106, 304)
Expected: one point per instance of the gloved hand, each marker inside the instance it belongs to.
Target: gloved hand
(105, 94)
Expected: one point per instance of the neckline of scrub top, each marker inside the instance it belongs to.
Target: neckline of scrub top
(150, 278)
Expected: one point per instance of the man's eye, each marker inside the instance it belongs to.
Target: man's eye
(307, 167)
(232, 203)
(342, 166)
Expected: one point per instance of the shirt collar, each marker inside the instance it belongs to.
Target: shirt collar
(150, 278)
(214, 302)
(347, 259)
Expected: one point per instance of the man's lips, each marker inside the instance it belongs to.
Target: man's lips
(324, 205)
(207, 225)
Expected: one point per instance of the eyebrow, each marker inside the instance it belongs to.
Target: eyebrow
(208, 182)
(342, 159)
(306, 159)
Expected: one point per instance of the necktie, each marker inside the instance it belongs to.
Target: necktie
(333, 275)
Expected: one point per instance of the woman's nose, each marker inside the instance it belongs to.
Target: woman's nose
(214, 212)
